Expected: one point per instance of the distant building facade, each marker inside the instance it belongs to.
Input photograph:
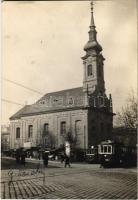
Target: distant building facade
(5, 137)
(85, 112)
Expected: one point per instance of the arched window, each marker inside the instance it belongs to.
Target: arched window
(77, 126)
(89, 70)
(46, 128)
(17, 133)
(70, 101)
(63, 128)
(30, 131)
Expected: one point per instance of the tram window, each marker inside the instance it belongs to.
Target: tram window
(105, 149)
(102, 149)
(124, 149)
(109, 149)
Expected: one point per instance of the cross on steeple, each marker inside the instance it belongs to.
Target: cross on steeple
(92, 18)
(91, 6)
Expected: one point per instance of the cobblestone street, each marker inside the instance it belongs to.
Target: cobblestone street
(81, 181)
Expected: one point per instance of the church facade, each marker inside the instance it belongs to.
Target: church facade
(84, 114)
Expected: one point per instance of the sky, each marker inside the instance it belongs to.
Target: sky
(42, 46)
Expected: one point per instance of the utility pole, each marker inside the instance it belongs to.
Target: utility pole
(84, 138)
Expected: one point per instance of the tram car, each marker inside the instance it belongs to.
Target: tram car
(91, 156)
(113, 154)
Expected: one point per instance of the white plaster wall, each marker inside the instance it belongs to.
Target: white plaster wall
(54, 120)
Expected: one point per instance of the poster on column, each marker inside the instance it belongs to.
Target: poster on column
(67, 148)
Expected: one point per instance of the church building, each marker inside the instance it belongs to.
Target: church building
(83, 114)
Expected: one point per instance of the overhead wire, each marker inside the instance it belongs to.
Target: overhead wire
(21, 85)
(8, 101)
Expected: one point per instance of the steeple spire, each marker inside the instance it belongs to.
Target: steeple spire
(92, 18)
(92, 43)
(92, 32)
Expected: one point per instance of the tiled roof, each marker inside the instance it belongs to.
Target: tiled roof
(64, 93)
(54, 102)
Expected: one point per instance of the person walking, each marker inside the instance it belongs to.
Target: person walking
(62, 157)
(102, 161)
(67, 161)
(45, 158)
(23, 156)
(17, 156)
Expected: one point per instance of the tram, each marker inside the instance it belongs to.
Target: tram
(113, 154)
(91, 155)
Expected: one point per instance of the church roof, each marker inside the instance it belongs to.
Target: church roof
(54, 102)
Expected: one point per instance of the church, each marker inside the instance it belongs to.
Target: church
(83, 115)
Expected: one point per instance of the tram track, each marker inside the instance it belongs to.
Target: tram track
(51, 175)
(101, 172)
(73, 183)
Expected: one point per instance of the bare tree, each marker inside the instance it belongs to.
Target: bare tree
(71, 136)
(51, 140)
(48, 139)
(127, 117)
(126, 122)
(45, 139)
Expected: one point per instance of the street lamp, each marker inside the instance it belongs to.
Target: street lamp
(84, 138)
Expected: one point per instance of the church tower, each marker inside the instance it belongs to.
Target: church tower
(93, 80)
(93, 62)
(99, 106)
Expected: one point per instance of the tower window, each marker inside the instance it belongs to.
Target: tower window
(89, 70)
(63, 128)
(30, 131)
(17, 133)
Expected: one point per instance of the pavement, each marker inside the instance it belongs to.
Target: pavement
(81, 181)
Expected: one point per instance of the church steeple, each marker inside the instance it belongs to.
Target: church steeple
(92, 32)
(93, 62)
(92, 43)
(92, 18)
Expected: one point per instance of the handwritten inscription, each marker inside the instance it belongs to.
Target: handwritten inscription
(23, 172)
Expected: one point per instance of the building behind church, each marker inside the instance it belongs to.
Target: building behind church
(84, 114)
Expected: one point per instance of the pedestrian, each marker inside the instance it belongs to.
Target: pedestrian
(23, 156)
(45, 158)
(17, 155)
(39, 157)
(62, 157)
(102, 161)
(67, 161)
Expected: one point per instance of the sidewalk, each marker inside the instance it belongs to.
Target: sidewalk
(57, 163)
